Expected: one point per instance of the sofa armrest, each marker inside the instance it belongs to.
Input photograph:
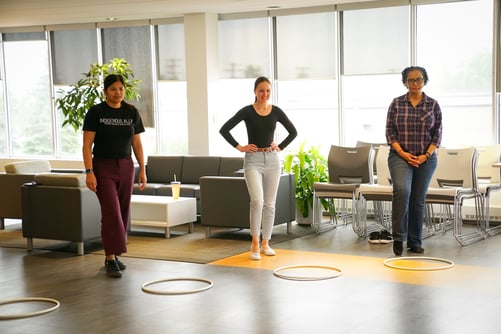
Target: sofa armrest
(285, 211)
(224, 201)
(10, 194)
(28, 167)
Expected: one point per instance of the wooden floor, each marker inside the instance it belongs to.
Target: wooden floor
(247, 297)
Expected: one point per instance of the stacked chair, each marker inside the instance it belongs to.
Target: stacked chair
(349, 167)
(462, 174)
(488, 181)
(454, 181)
(381, 196)
(379, 193)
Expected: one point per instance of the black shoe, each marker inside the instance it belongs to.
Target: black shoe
(375, 237)
(112, 269)
(398, 247)
(418, 250)
(120, 264)
(385, 237)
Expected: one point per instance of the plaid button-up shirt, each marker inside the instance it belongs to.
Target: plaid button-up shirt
(414, 128)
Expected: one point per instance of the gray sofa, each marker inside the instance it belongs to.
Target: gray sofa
(219, 187)
(160, 171)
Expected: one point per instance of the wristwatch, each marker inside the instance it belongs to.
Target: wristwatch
(89, 170)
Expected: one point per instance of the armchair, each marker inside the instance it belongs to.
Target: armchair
(60, 207)
(225, 202)
(16, 175)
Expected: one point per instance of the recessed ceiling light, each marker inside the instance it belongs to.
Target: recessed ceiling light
(111, 19)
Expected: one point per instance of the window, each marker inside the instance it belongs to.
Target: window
(366, 102)
(3, 111)
(172, 101)
(460, 77)
(375, 41)
(244, 53)
(307, 85)
(376, 49)
(28, 96)
(133, 44)
(72, 52)
(334, 73)
(306, 46)
(244, 48)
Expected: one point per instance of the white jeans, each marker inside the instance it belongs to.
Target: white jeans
(262, 175)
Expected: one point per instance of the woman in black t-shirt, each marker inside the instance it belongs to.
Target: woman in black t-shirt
(111, 129)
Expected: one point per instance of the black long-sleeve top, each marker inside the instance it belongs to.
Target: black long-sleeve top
(260, 129)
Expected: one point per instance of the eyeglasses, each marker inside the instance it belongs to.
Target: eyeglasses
(417, 80)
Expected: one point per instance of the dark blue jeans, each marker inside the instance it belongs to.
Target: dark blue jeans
(410, 185)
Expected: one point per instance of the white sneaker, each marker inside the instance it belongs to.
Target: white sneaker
(268, 251)
(255, 256)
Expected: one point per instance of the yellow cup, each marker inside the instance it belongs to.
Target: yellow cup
(176, 188)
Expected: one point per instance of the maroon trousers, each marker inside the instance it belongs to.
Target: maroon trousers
(115, 180)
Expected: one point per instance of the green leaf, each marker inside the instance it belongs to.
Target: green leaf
(88, 91)
(308, 166)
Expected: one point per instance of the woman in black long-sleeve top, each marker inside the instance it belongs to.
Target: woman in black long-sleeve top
(262, 161)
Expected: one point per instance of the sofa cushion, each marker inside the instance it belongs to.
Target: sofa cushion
(28, 167)
(149, 189)
(62, 180)
(161, 168)
(195, 167)
(229, 165)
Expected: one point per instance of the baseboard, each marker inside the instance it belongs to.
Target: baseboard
(468, 211)
(494, 213)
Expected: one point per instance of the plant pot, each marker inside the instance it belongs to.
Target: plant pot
(306, 220)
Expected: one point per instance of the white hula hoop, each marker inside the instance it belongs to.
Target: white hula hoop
(209, 285)
(447, 263)
(29, 314)
(336, 272)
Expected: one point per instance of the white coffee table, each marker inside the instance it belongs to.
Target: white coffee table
(163, 211)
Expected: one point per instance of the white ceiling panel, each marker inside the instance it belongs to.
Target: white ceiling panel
(22, 13)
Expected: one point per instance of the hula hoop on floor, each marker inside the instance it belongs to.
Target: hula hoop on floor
(447, 263)
(29, 314)
(335, 272)
(209, 285)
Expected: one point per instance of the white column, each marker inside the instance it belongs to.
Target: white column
(201, 38)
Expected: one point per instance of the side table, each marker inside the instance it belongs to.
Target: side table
(163, 211)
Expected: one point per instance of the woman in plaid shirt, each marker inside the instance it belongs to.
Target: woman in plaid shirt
(414, 131)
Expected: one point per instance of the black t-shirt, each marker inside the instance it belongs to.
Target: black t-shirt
(114, 128)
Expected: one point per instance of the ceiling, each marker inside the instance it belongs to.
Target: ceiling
(25, 13)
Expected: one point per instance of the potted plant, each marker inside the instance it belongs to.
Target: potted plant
(88, 91)
(308, 166)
